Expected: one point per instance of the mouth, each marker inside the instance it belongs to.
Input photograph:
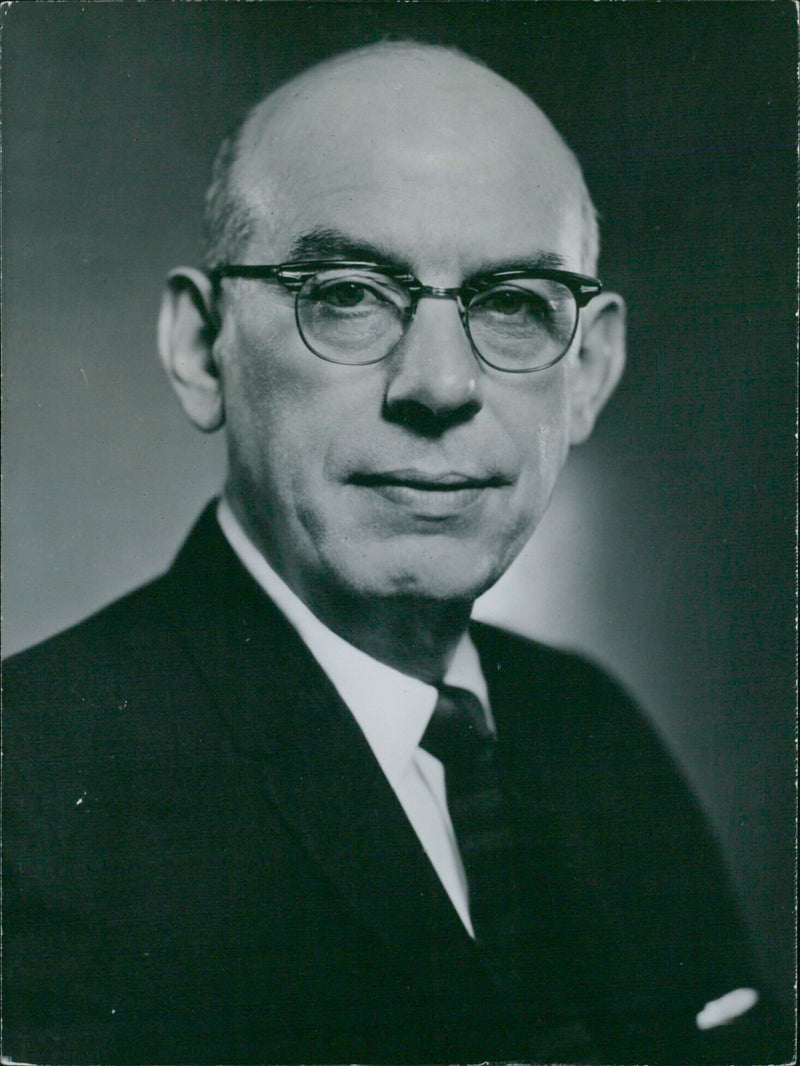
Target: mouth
(429, 495)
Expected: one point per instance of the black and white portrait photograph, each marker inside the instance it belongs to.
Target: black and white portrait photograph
(398, 554)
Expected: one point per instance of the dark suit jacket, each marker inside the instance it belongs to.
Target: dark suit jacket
(204, 863)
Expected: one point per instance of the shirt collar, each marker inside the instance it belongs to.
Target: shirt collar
(392, 708)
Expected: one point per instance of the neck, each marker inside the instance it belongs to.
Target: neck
(413, 635)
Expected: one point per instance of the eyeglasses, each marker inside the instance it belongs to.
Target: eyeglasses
(357, 313)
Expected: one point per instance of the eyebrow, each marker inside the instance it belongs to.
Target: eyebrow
(327, 243)
(537, 261)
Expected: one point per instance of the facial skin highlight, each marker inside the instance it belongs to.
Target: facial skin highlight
(399, 491)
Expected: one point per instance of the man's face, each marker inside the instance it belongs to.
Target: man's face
(426, 473)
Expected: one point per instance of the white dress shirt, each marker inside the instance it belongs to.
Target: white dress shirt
(391, 708)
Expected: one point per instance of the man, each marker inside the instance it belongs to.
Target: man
(286, 804)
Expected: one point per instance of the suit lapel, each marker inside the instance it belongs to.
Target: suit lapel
(309, 754)
(525, 706)
(333, 792)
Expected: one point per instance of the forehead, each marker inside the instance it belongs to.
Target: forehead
(437, 160)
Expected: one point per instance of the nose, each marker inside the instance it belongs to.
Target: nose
(434, 377)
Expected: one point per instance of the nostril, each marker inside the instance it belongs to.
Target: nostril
(426, 420)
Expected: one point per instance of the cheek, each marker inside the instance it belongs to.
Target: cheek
(284, 407)
(538, 422)
(261, 397)
(263, 376)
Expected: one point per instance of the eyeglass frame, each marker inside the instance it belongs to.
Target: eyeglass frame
(294, 275)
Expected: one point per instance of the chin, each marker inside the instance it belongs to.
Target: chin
(449, 576)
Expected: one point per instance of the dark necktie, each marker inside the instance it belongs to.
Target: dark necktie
(459, 737)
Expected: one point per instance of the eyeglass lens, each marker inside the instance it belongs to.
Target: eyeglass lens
(359, 317)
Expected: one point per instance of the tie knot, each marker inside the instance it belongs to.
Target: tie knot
(458, 725)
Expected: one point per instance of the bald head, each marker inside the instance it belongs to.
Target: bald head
(367, 107)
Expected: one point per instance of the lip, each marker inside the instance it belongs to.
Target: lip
(435, 495)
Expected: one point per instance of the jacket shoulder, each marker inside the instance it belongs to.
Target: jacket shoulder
(579, 725)
(111, 644)
(558, 682)
(121, 680)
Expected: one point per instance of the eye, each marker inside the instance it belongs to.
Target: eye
(339, 293)
(343, 294)
(513, 302)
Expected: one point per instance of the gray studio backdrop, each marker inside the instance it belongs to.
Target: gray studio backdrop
(668, 550)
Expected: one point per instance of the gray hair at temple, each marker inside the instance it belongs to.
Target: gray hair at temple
(228, 221)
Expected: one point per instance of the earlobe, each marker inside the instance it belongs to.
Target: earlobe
(187, 329)
(599, 365)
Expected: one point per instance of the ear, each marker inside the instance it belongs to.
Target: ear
(600, 362)
(187, 328)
